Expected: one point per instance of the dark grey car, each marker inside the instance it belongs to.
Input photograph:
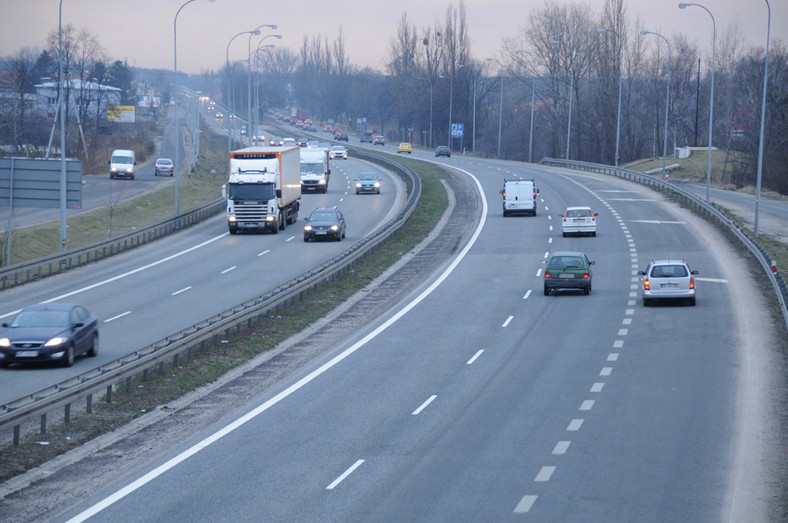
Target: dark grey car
(49, 332)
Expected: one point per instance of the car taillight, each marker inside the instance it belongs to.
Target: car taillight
(586, 275)
(564, 218)
(546, 274)
(646, 284)
(504, 194)
(692, 283)
(593, 218)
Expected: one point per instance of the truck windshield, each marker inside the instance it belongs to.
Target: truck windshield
(311, 168)
(251, 191)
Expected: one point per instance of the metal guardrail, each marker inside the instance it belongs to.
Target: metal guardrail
(708, 211)
(27, 272)
(105, 377)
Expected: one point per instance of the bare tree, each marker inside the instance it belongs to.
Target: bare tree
(21, 81)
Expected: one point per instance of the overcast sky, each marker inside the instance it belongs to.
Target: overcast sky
(141, 31)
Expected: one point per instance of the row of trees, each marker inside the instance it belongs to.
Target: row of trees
(432, 79)
(84, 59)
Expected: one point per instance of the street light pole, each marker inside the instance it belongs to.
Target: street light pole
(620, 78)
(533, 101)
(667, 103)
(63, 185)
(571, 91)
(260, 47)
(229, 84)
(684, 5)
(175, 99)
(763, 119)
(255, 32)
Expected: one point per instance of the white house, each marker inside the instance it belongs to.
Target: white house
(98, 96)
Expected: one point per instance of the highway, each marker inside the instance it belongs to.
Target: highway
(477, 398)
(147, 294)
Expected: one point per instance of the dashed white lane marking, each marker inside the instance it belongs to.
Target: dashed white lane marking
(527, 294)
(623, 332)
(538, 273)
(475, 357)
(587, 405)
(525, 504)
(424, 405)
(575, 425)
(618, 344)
(116, 317)
(544, 474)
(657, 222)
(229, 269)
(508, 320)
(180, 291)
(712, 280)
(597, 387)
(613, 356)
(290, 239)
(345, 474)
(561, 447)
(264, 252)
(606, 371)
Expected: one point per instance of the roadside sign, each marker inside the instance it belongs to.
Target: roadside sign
(457, 130)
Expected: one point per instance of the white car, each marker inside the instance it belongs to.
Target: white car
(668, 279)
(337, 151)
(579, 220)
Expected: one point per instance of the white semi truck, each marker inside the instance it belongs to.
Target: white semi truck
(264, 188)
(315, 169)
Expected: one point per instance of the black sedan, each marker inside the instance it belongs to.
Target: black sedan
(49, 332)
(325, 224)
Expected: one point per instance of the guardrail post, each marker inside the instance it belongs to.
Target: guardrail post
(128, 383)
(43, 423)
(16, 435)
(89, 403)
(145, 375)
(161, 367)
(67, 413)
(109, 393)
(175, 360)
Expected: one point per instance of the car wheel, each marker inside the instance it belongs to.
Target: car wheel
(356, 192)
(233, 231)
(171, 174)
(646, 302)
(692, 301)
(546, 290)
(306, 239)
(68, 361)
(593, 234)
(587, 290)
(94, 347)
(4, 365)
(564, 234)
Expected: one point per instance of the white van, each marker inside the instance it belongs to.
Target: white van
(519, 196)
(122, 164)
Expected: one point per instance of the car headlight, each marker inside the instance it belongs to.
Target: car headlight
(358, 185)
(231, 219)
(5, 342)
(322, 181)
(377, 184)
(307, 228)
(335, 228)
(57, 340)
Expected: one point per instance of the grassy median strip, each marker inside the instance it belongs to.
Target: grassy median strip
(205, 367)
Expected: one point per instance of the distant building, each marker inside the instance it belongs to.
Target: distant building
(98, 96)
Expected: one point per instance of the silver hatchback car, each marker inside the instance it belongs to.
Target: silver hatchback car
(668, 279)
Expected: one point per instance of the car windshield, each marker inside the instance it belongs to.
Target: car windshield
(669, 271)
(367, 177)
(121, 159)
(41, 319)
(164, 162)
(325, 216)
(567, 262)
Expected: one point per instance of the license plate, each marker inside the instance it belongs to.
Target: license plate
(669, 285)
(320, 232)
(566, 275)
(26, 353)
(251, 225)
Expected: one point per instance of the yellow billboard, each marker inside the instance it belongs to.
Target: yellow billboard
(120, 113)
